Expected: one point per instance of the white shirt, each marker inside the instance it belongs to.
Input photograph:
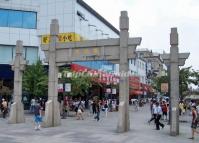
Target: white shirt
(197, 108)
(158, 110)
(153, 108)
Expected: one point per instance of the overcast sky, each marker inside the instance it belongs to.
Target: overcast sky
(152, 20)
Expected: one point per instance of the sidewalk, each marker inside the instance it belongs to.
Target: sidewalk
(91, 131)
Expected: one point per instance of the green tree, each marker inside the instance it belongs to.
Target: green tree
(156, 82)
(80, 82)
(196, 77)
(186, 77)
(35, 80)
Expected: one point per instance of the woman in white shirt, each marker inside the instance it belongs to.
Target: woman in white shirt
(158, 112)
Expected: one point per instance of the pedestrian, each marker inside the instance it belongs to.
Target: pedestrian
(136, 105)
(164, 110)
(80, 111)
(4, 107)
(153, 117)
(37, 116)
(194, 122)
(158, 112)
(32, 105)
(94, 107)
(97, 117)
(181, 108)
(90, 103)
(106, 108)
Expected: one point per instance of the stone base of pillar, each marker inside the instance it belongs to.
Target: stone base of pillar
(16, 113)
(123, 123)
(52, 114)
(174, 133)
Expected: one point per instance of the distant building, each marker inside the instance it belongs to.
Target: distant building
(155, 65)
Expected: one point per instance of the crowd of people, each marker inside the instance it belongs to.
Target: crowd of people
(95, 106)
(160, 110)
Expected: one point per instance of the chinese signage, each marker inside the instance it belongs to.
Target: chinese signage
(62, 38)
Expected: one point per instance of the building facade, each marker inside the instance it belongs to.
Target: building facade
(18, 22)
(29, 21)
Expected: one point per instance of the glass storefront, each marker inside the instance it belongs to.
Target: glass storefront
(7, 54)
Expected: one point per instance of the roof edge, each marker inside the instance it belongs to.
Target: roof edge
(92, 11)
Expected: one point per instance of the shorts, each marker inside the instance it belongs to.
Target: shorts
(79, 111)
(165, 113)
(38, 119)
(194, 125)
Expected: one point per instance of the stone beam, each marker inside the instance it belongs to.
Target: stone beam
(181, 59)
(91, 50)
(94, 43)
(91, 54)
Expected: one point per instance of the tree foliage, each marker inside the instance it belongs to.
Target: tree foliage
(187, 76)
(156, 82)
(35, 80)
(80, 82)
(185, 79)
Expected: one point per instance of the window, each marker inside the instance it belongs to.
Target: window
(3, 18)
(5, 54)
(18, 19)
(29, 20)
(15, 19)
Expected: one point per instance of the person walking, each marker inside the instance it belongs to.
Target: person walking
(38, 116)
(97, 117)
(32, 105)
(94, 107)
(158, 112)
(106, 108)
(153, 117)
(194, 122)
(80, 110)
(4, 107)
(164, 110)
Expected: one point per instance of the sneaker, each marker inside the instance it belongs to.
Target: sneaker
(192, 138)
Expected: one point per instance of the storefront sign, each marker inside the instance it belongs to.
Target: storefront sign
(68, 87)
(164, 87)
(62, 38)
(60, 87)
(114, 91)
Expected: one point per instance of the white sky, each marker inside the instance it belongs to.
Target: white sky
(152, 20)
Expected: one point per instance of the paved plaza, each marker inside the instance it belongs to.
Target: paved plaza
(91, 131)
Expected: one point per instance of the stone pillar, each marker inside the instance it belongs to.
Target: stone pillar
(17, 109)
(52, 113)
(124, 123)
(174, 82)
